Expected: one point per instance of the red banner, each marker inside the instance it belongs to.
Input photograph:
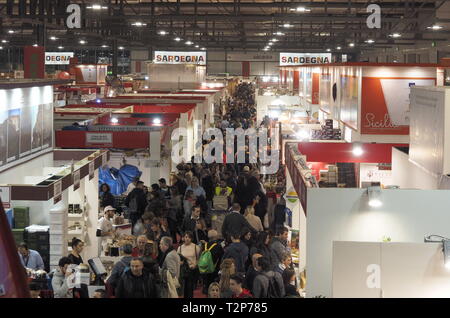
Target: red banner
(34, 62)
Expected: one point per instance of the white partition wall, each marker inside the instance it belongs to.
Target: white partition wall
(344, 214)
(388, 270)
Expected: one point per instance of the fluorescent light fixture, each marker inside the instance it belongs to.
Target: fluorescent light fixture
(60, 47)
(104, 46)
(374, 194)
(370, 41)
(139, 24)
(352, 45)
(10, 31)
(188, 43)
(302, 9)
(274, 40)
(82, 42)
(395, 35)
(177, 39)
(162, 32)
(279, 33)
(357, 151)
(157, 121)
(97, 7)
(287, 25)
(435, 27)
(4, 41)
(114, 120)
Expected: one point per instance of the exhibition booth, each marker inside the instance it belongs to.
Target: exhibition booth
(370, 100)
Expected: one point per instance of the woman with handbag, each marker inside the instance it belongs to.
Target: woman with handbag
(191, 254)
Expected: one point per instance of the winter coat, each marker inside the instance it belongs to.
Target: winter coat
(59, 285)
(130, 286)
(238, 252)
(279, 248)
(261, 284)
(118, 270)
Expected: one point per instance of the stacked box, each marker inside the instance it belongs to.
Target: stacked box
(58, 230)
(21, 217)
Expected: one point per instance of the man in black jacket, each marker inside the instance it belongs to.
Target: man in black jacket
(195, 224)
(135, 283)
(235, 223)
(136, 202)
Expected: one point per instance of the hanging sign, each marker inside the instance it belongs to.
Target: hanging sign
(58, 58)
(57, 190)
(99, 139)
(76, 180)
(5, 196)
(289, 59)
(168, 57)
(91, 170)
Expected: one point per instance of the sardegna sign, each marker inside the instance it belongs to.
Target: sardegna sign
(290, 59)
(58, 58)
(168, 57)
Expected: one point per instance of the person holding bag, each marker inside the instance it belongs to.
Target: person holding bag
(191, 254)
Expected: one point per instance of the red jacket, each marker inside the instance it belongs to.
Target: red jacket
(245, 294)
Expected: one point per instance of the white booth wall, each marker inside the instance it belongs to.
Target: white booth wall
(344, 215)
(34, 168)
(263, 103)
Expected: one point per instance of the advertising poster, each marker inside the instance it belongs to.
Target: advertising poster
(3, 137)
(25, 132)
(385, 104)
(48, 126)
(349, 100)
(13, 134)
(37, 122)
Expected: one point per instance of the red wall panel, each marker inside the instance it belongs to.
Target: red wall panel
(124, 140)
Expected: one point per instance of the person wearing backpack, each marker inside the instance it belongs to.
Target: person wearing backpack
(267, 284)
(215, 248)
(121, 266)
(191, 254)
(136, 202)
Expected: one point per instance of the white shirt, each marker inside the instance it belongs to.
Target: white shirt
(105, 225)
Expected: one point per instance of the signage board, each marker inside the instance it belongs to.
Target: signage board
(99, 139)
(169, 57)
(58, 58)
(290, 59)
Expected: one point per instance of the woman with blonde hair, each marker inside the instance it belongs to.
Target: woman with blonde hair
(214, 290)
(227, 269)
(252, 219)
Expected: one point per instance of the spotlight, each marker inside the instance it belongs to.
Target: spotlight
(338, 48)
(114, 120)
(35, 45)
(177, 39)
(357, 151)
(279, 33)
(60, 47)
(82, 42)
(98, 100)
(287, 25)
(197, 46)
(104, 46)
(53, 38)
(97, 7)
(203, 49)
(121, 48)
(10, 31)
(352, 45)
(435, 27)
(370, 41)
(374, 194)
(157, 121)
(162, 32)
(139, 24)
(188, 43)
(328, 50)
(4, 41)
(395, 35)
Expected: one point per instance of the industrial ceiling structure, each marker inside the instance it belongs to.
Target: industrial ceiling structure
(224, 24)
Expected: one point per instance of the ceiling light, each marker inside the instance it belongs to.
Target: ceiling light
(197, 46)
(53, 38)
(274, 40)
(82, 42)
(357, 151)
(435, 27)
(104, 45)
(395, 35)
(270, 43)
(139, 24)
(303, 9)
(157, 121)
(188, 43)
(177, 39)
(162, 32)
(121, 48)
(97, 7)
(114, 120)
(265, 49)
(370, 41)
(351, 44)
(4, 41)
(328, 50)
(287, 25)
(338, 48)
(60, 47)
(278, 33)
(203, 49)
(10, 31)
(35, 45)
(1, 47)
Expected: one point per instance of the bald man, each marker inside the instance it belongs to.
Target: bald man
(138, 251)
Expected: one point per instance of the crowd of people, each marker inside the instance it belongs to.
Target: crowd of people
(179, 245)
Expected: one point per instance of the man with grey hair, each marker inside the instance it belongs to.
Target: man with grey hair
(170, 268)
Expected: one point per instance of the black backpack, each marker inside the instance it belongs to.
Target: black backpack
(273, 290)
